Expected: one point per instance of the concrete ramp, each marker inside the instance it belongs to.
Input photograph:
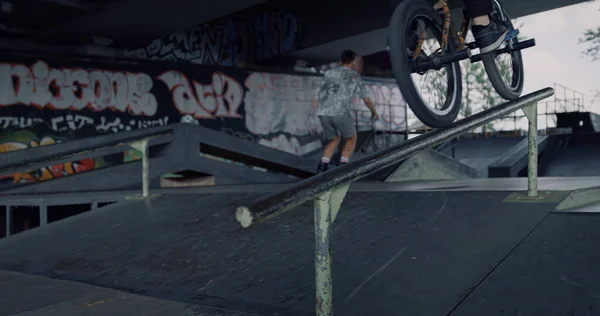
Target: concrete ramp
(481, 153)
(431, 165)
(583, 200)
(577, 156)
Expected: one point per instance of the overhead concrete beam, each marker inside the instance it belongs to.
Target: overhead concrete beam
(363, 44)
(74, 4)
(138, 22)
(342, 31)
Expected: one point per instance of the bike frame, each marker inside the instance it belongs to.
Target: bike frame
(463, 49)
(448, 27)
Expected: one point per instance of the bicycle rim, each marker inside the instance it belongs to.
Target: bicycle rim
(434, 95)
(505, 70)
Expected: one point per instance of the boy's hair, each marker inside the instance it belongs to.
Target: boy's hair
(348, 57)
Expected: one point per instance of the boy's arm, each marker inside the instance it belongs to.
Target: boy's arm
(360, 90)
(371, 107)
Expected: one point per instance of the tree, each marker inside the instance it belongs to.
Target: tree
(591, 38)
(478, 92)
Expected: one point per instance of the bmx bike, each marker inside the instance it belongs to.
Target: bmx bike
(416, 51)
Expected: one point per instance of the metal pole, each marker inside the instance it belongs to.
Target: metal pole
(406, 120)
(532, 137)
(323, 278)
(43, 214)
(145, 170)
(327, 206)
(8, 220)
(142, 146)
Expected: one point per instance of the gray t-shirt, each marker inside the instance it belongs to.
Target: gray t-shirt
(337, 90)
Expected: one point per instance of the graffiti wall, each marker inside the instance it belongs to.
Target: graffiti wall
(45, 101)
(234, 41)
(41, 136)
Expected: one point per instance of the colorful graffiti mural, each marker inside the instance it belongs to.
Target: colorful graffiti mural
(22, 139)
(46, 101)
(236, 41)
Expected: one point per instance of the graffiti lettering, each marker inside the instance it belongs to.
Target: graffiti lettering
(389, 103)
(199, 45)
(151, 123)
(274, 34)
(228, 43)
(70, 122)
(116, 125)
(286, 100)
(222, 98)
(18, 122)
(75, 89)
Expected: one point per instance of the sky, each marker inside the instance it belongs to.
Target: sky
(557, 56)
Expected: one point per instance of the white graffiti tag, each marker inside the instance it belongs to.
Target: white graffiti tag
(280, 103)
(18, 122)
(70, 122)
(75, 89)
(221, 98)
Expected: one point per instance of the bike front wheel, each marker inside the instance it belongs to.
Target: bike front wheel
(505, 70)
(433, 95)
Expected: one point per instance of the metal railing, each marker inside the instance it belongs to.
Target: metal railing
(34, 158)
(564, 100)
(328, 189)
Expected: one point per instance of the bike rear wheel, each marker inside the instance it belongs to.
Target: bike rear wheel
(411, 19)
(505, 70)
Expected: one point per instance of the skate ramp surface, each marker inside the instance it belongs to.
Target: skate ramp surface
(394, 253)
(578, 157)
(479, 154)
(431, 165)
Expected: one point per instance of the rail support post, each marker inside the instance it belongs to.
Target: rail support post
(9, 220)
(327, 206)
(532, 137)
(43, 214)
(142, 146)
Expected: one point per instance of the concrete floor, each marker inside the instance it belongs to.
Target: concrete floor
(395, 253)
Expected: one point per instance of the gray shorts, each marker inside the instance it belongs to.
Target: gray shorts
(344, 124)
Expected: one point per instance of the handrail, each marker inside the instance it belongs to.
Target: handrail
(277, 203)
(17, 158)
(99, 152)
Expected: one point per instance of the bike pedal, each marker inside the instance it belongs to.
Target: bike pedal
(511, 35)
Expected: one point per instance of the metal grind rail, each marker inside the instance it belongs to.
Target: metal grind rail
(328, 189)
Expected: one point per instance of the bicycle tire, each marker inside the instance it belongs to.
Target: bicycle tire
(399, 24)
(506, 91)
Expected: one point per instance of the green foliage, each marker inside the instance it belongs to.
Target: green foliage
(591, 38)
(478, 93)
(596, 96)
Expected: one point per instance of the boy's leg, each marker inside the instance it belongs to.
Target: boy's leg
(488, 33)
(345, 124)
(348, 149)
(333, 141)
